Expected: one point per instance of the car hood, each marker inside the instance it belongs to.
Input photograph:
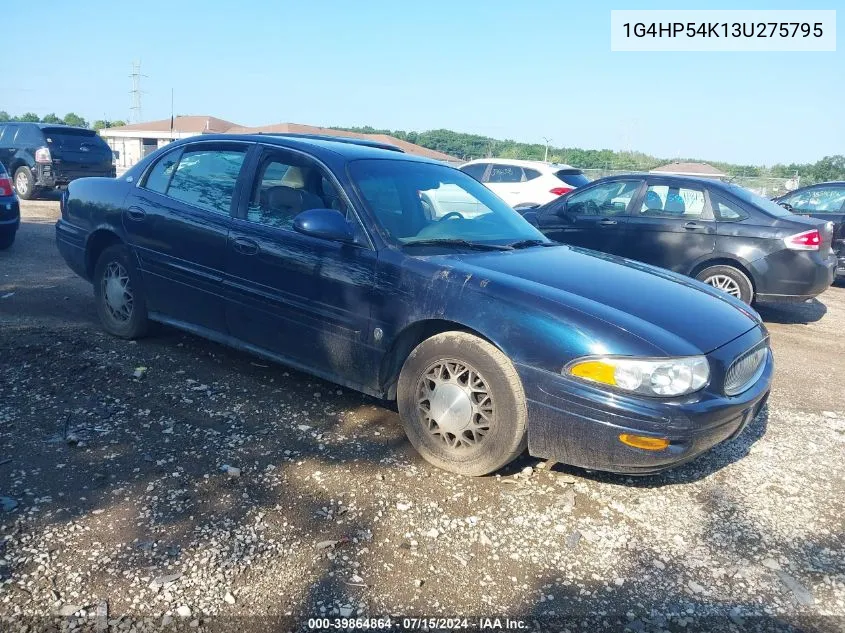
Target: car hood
(668, 310)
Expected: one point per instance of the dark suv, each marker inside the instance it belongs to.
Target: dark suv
(44, 156)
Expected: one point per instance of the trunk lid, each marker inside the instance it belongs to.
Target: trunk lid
(74, 148)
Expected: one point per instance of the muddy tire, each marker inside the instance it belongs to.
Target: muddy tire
(119, 293)
(462, 404)
(24, 183)
(728, 279)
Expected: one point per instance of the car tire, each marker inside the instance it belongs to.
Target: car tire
(119, 294)
(6, 240)
(730, 280)
(24, 183)
(462, 404)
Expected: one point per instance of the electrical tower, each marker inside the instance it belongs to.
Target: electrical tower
(136, 92)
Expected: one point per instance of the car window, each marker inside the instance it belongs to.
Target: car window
(726, 211)
(286, 185)
(424, 201)
(531, 174)
(820, 200)
(206, 178)
(476, 170)
(3, 129)
(505, 173)
(673, 202)
(158, 178)
(28, 135)
(609, 198)
(572, 177)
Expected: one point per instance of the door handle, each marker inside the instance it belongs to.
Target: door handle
(136, 213)
(245, 246)
(607, 222)
(693, 226)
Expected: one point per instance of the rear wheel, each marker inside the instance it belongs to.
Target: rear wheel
(462, 405)
(119, 295)
(728, 279)
(24, 183)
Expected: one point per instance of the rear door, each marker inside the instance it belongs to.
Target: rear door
(593, 217)
(77, 153)
(671, 225)
(177, 220)
(305, 298)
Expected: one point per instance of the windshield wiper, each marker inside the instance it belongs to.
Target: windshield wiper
(481, 246)
(530, 243)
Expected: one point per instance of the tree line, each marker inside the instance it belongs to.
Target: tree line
(469, 146)
(71, 118)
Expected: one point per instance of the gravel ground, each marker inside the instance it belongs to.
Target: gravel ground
(175, 481)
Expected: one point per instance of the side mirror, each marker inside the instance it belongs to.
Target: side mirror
(532, 218)
(327, 224)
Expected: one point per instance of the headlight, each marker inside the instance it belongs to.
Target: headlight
(662, 377)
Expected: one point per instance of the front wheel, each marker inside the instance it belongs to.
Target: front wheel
(462, 404)
(119, 294)
(728, 279)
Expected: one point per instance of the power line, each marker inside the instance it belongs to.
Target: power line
(136, 92)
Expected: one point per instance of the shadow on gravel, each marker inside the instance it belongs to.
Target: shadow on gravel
(793, 313)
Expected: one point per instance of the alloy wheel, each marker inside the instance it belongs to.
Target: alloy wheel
(725, 284)
(21, 184)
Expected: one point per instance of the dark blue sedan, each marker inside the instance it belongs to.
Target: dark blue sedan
(330, 257)
(10, 211)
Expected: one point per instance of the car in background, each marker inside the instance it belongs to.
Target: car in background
(525, 183)
(10, 212)
(824, 201)
(719, 233)
(41, 156)
(320, 254)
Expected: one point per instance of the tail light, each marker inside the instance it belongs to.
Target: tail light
(559, 191)
(806, 241)
(43, 155)
(5, 186)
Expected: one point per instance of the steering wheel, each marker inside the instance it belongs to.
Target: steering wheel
(452, 214)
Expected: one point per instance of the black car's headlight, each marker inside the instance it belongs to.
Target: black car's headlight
(655, 377)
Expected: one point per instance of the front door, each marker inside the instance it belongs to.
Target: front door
(593, 217)
(671, 226)
(177, 221)
(301, 297)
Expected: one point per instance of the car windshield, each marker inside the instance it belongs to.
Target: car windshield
(764, 204)
(426, 202)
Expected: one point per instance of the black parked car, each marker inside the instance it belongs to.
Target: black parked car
(825, 201)
(320, 254)
(44, 156)
(716, 232)
(10, 214)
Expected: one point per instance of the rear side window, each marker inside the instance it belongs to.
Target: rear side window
(673, 202)
(531, 174)
(572, 177)
(28, 136)
(476, 170)
(726, 211)
(206, 179)
(505, 173)
(160, 174)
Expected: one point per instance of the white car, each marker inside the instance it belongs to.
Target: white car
(525, 182)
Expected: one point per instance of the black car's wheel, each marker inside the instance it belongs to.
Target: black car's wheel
(6, 240)
(462, 405)
(24, 183)
(730, 280)
(119, 294)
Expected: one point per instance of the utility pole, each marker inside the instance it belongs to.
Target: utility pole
(136, 92)
(546, 156)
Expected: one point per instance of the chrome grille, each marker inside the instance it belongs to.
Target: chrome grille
(745, 370)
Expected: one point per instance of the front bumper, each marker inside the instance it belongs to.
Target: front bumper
(578, 424)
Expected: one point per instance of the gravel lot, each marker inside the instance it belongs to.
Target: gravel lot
(114, 493)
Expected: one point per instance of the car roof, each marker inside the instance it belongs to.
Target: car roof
(347, 148)
(698, 180)
(534, 164)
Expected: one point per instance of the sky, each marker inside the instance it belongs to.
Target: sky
(521, 70)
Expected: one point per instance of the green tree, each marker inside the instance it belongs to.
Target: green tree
(4, 116)
(101, 124)
(71, 118)
(51, 118)
(829, 168)
(29, 117)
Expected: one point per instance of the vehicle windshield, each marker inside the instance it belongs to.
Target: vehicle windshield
(416, 202)
(766, 205)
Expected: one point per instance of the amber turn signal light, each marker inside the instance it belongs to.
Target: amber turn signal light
(644, 442)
